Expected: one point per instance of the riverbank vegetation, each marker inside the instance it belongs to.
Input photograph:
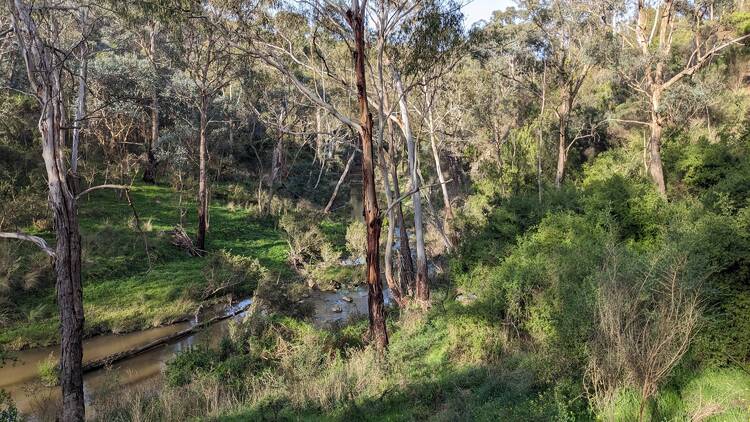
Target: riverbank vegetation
(549, 210)
(130, 290)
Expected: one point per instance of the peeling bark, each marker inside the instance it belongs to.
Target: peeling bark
(356, 19)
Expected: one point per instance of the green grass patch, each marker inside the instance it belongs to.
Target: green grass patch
(120, 292)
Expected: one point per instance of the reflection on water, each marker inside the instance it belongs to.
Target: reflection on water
(332, 308)
(20, 377)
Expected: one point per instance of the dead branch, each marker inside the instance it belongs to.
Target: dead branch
(41, 243)
(138, 226)
(181, 239)
(94, 188)
(341, 180)
(412, 192)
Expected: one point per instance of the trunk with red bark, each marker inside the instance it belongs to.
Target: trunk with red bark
(378, 333)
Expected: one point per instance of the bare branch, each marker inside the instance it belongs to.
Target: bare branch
(702, 61)
(412, 192)
(41, 243)
(91, 189)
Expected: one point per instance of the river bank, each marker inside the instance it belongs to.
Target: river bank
(20, 377)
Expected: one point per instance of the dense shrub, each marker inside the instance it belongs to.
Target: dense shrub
(304, 237)
(184, 366)
(356, 239)
(229, 273)
(8, 410)
(49, 371)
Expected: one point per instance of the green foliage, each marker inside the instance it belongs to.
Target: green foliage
(356, 239)
(183, 367)
(721, 394)
(8, 410)
(548, 287)
(716, 395)
(121, 293)
(49, 371)
(233, 273)
(740, 20)
(635, 206)
(304, 237)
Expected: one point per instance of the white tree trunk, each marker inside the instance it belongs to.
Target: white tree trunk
(422, 283)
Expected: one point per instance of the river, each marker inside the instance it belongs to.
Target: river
(20, 377)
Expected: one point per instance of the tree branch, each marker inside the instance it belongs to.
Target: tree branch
(91, 189)
(408, 194)
(41, 243)
(702, 60)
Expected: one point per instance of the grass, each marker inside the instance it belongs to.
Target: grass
(453, 364)
(447, 364)
(120, 292)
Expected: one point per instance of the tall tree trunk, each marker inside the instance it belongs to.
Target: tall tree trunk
(277, 166)
(203, 177)
(655, 168)
(69, 285)
(378, 333)
(149, 174)
(43, 72)
(385, 158)
(541, 135)
(407, 265)
(388, 258)
(396, 289)
(439, 171)
(562, 145)
(319, 135)
(422, 282)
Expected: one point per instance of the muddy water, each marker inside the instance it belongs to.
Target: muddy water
(20, 377)
(332, 308)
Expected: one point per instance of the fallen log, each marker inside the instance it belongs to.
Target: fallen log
(117, 357)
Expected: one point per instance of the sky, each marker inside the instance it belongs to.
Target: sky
(477, 10)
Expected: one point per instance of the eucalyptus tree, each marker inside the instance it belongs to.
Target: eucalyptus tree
(204, 70)
(568, 47)
(119, 84)
(38, 30)
(151, 51)
(85, 24)
(148, 27)
(284, 116)
(421, 46)
(278, 47)
(665, 42)
(507, 60)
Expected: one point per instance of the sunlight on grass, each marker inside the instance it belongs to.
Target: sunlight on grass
(120, 292)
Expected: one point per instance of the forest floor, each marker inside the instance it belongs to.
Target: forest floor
(121, 293)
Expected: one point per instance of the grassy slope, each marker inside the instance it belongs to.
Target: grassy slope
(120, 293)
(451, 365)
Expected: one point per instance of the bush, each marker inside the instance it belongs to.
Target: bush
(184, 366)
(634, 205)
(49, 371)
(647, 313)
(229, 273)
(8, 410)
(304, 237)
(356, 239)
